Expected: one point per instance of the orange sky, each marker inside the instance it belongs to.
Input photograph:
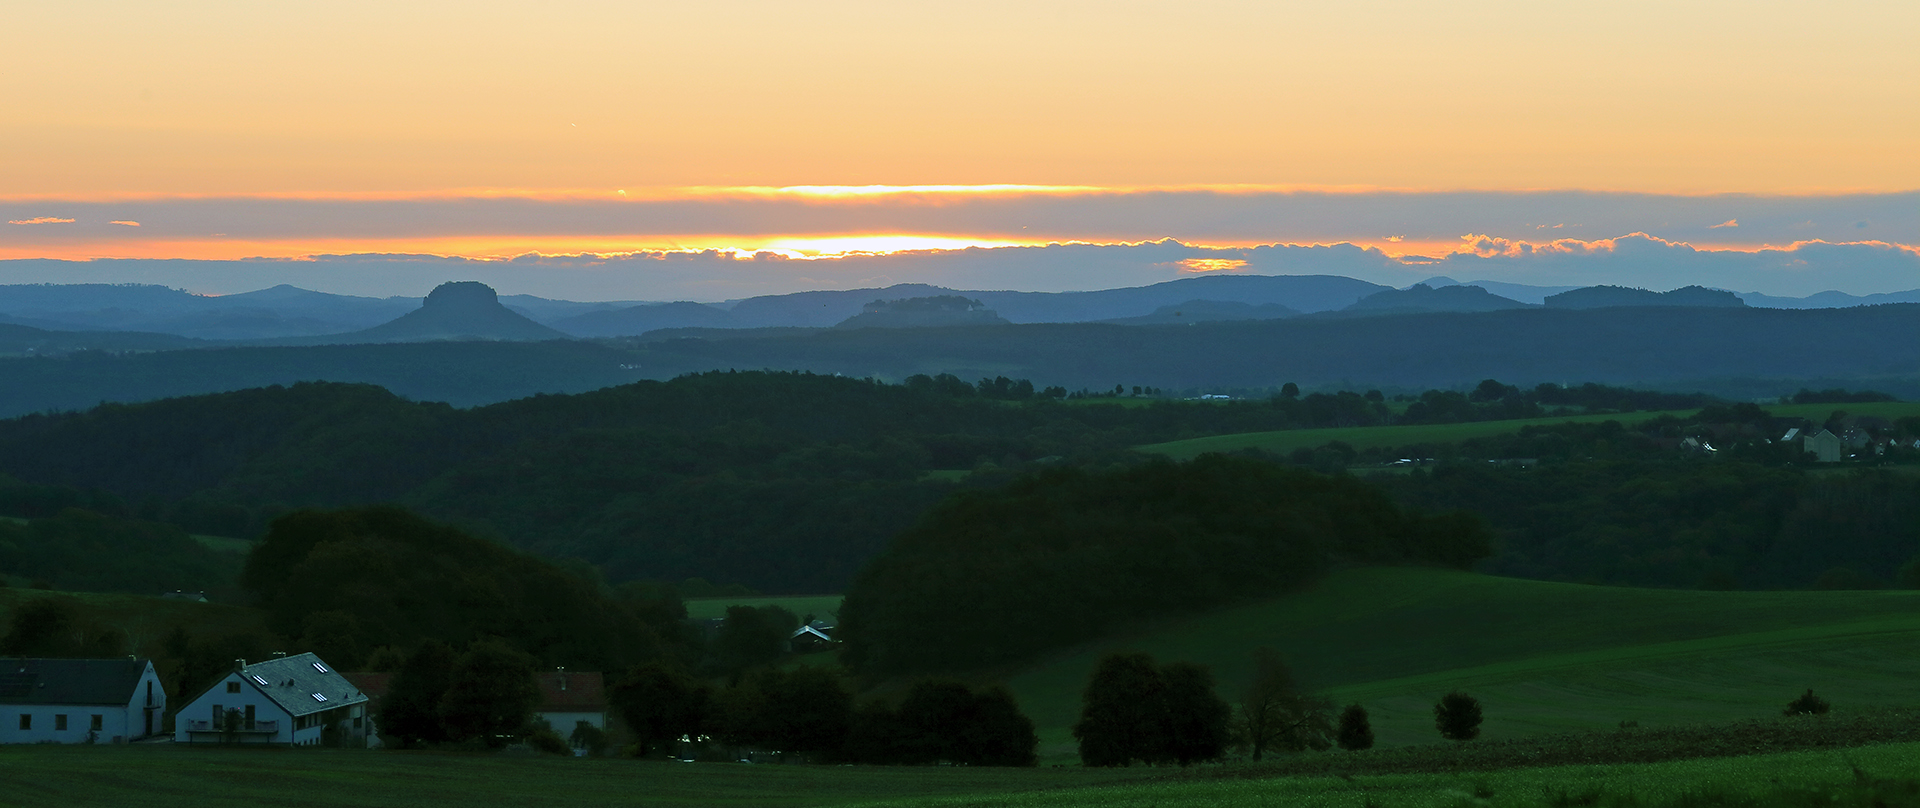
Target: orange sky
(107, 98)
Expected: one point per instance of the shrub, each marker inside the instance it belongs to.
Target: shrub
(1457, 716)
(549, 742)
(1807, 704)
(1356, 731)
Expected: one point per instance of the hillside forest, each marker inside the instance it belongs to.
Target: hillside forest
(792, 483)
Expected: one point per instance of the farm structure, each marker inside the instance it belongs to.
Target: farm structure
(1826, 446)
(568, 699)
(79, 700)
(289, 700)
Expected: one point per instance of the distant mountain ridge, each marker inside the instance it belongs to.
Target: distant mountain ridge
(281, 314)
(1423, 298)
(1736, 352)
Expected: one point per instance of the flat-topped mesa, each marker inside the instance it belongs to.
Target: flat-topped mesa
(461, 294)
(461, 310)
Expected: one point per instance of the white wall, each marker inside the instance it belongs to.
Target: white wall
(563, 723)
(45, 717)
(119, 723)
(264, 709)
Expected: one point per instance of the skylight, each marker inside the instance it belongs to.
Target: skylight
(321, 668)
(261, 679)
(318, 697)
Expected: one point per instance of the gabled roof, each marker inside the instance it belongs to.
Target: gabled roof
(70, 681)
(570, 692)
(302, 684)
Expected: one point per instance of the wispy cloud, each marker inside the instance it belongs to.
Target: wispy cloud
(124, 223)
(41, 220)
(1727, 223)
(1796, 269)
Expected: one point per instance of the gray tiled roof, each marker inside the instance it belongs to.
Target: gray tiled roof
(69, 681)
(292, 681)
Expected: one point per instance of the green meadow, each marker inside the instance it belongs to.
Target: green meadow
(1541, 656)
(163, 775)
(1388, 436)
(146, 620)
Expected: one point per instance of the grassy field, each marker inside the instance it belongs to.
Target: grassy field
(1542, 657)
(165, 775)
(1387, 436)
(820, 606)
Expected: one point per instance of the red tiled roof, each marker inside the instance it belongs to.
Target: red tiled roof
(571, 692)
(373, 683)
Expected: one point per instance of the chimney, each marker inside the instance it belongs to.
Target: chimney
(563, 677)
(239, 665)
(279, 654)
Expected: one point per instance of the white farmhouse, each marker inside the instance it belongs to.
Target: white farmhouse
(570, 699)
(286, 700)
(79, 700)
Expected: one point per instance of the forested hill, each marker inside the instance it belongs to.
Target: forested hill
(785, 482)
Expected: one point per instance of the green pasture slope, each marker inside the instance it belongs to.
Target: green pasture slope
(1542, 657)
(146, 620)
(1387, 436)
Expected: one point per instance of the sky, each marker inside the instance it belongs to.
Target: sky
(1743, 135)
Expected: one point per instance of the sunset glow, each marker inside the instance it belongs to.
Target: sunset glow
(214, 130)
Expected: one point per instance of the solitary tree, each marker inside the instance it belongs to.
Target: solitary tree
(491, 694)
(751, 637)
(1274, 713)
(659, 703)
(1457, 716)
(1808, 704)
(1134, 710)
(1356, 732)
(1199, 722)
(1122, 712)
(410, 713)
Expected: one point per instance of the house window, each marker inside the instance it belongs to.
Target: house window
(233, 687)
(60, 722)
(97, 722)
(26, 721)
